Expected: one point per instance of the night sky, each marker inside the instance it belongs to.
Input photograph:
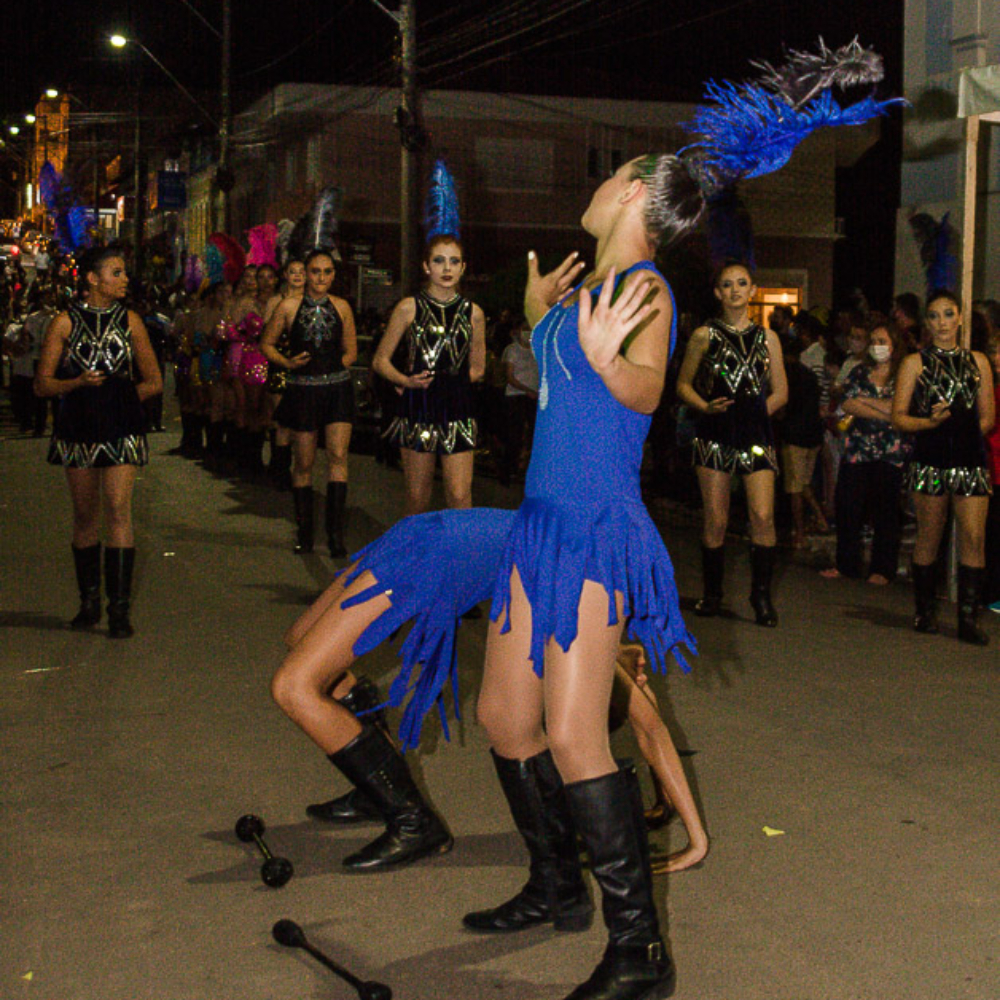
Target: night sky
(637, 48)
(590, 48)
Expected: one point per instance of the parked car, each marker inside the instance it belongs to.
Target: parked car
(9, 251)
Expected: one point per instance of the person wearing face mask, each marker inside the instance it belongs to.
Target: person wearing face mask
(875, 453)
(944, 397)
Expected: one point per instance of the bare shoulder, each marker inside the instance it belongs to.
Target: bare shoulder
(477, 313)
(341, 305)
(406, 309)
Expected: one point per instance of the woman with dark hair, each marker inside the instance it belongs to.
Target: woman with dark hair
(98, 361)
(319, 395)
(870, 482)
(445, 348)
(906, 314)
(280, 464)
(944, 397)
(733, 376)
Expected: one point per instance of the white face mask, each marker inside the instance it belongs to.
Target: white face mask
(880, 352)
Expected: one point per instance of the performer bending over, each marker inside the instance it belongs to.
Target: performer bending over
(733, 375)
(318, 691)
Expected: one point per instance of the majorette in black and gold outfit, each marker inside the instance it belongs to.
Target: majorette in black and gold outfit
(951, 457)
(441, 418)
(736, 365)
(103, 425)
(320, 392)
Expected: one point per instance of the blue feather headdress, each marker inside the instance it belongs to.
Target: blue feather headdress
(441, 216)
(752, 129)
(73, 222)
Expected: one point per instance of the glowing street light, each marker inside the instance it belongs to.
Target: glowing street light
(118, 41)
(51, 93)
(30, 119)
(14, 130)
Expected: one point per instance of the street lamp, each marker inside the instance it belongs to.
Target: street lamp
(120, 41)
(52, 93)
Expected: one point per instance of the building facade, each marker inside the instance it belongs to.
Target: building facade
(524, 168)
(942, 38)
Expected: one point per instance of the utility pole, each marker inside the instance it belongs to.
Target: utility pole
(223, 176)
(410, 124)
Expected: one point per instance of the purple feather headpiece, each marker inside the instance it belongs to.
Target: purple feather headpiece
(441, 216)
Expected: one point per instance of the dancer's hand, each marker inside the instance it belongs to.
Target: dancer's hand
(544, 291)
(90, 379)
(420, 381)
(719, 405)
(604, 327)
(298, 361)
(939, 413)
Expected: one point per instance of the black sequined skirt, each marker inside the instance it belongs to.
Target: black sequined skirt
(738, 440)
(440, 419)
(100, 426)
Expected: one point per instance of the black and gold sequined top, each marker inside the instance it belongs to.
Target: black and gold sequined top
(735, 365)
(440, 337)
(951, 377)
(99, 341)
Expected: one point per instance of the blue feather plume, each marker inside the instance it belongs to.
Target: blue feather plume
(214, 264)
(441, 215)
(73, 222)
(749, 131)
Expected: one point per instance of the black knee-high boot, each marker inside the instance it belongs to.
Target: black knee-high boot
(925, 598)
(87, 562)
(336, 513)
(713, 570)
(354, 806)
(761, 572)
(280, 467)
(970, 591)
(302, 498)
(118, 564)
(555, 891)
(413, 830)
(607, 812)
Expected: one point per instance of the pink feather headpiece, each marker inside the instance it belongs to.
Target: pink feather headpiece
(263, 245)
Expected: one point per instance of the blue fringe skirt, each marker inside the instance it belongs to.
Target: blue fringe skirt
(555, 547)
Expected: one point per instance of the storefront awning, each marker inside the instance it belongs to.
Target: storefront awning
(979, 92)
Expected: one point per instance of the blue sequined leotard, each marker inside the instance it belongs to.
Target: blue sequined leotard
(583, 517)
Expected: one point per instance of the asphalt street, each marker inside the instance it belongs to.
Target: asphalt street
(847, 769)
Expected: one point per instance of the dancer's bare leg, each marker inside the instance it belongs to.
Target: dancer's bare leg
(578, 685)
(510, 698)
(658, 749)
(321, 656)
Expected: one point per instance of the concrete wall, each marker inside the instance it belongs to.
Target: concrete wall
(942, 37)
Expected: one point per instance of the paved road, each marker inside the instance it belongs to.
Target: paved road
(125, 765)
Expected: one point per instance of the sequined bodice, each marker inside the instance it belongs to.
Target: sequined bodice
(587, 447)
(735, 364)
(319, 331)
(99, 340)
(950, 377)
(439, 338)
